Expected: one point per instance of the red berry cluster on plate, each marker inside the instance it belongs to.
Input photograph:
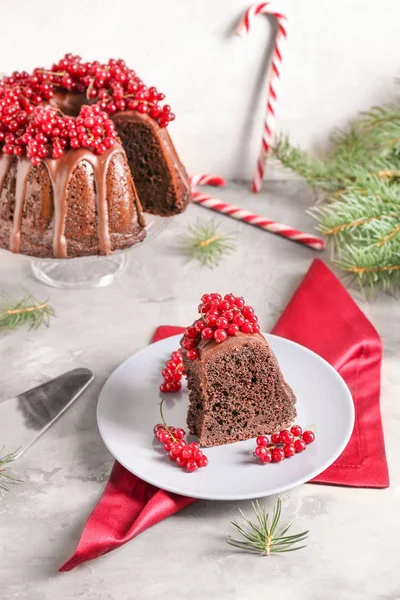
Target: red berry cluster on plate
(172, 373)
(187, 456)
(219, 318)
(25, 98)
(284, 444)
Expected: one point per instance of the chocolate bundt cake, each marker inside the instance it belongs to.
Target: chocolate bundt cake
(84, 150)
(236, 388)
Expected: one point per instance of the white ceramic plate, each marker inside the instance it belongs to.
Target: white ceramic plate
(128, 410)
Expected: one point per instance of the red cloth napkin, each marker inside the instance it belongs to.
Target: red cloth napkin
(322, 316)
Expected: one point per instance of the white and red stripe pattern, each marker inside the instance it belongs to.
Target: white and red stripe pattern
(274, 73)
(240, 214)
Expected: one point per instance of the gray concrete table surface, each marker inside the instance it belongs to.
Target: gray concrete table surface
(353, 548)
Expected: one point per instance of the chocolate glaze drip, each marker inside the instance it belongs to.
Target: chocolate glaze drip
(60, 171)
(23, 172)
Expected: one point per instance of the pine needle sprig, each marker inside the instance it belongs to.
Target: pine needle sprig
(27, 311)
(263, 537)
(204, 242)
(5, 476)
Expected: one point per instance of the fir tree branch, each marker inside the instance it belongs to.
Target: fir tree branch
(360, 185)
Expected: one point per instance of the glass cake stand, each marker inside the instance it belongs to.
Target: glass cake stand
(92, 271)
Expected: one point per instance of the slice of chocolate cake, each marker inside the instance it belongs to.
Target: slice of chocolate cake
(236, 388)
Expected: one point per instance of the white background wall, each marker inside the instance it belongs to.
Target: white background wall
(341, 56)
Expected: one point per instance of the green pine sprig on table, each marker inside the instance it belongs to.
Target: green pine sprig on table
(5, 476)
(358, 186)
(27, 311)
(265, 537)
(204, 242)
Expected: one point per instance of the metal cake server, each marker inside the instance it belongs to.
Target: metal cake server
(24, 418)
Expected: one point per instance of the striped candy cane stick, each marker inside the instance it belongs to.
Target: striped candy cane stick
(216, 180)
(248, 217)
(274, 73)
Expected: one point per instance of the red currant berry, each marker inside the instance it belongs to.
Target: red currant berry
(260, 450)
(275, 438)
(197, 454)
(238, 319)
(233, 329)
(296, 430)
(239, 302)
(188, 344)
(224, 305)
(221, 323)
(308, 436)
(168, 446)
(179, 434)
(247, 328)
(187, 453)
(177, 448)
(220, 335)
(256, 327)
(228, 315)
(180, 461)
(157, 427)
(172, 455)
(247, 311)
(202, 461)
(191, 332)
(299, 445)
(278, 455)
(216, 297)
(192, 354)
(203, 308)
(262, 440)
(211, 319)
(164, 437)
(289, 450)
(199, 326)
(286, 437)
(194, 446)
(191, 466)
(230, 298)
(163, 388)
(206, 298)
(266, 457)
(207, 333)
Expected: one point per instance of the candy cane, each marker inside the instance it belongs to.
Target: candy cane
(274, 74)
(248, 217)
(216, 180)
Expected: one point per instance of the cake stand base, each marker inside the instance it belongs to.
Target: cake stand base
(85, 272)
